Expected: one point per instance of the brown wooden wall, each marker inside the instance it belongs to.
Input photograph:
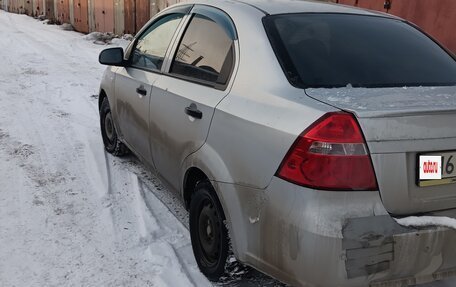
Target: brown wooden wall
(81, 15)
(130, 16)
(38, 7)
(142, 13)
(104, 15)
(28, 7)
(63, 11)
(49, 6)
(436, 17)
(16, 6)
(136, 13)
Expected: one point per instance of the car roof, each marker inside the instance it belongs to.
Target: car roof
(296, 6)
(293, 6)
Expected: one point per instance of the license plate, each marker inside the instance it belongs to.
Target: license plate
(437, 168)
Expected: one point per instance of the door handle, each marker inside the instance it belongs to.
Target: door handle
(193, 111)
(140, 90)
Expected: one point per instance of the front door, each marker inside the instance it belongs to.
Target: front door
(133, 83)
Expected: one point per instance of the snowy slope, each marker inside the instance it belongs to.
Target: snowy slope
(71, 215)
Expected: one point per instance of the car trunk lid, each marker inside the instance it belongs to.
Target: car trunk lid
(399, 125)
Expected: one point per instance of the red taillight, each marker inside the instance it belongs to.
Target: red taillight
(332, 155)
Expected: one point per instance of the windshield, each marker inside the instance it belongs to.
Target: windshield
(338, 50)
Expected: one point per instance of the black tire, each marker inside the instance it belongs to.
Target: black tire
(208, 232)
(108, 131)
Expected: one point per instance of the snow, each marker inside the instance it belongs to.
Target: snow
(70, 214)
(379, 101)
(254, 220)
(107, 38)
(422, 221)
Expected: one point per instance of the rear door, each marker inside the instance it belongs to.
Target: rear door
(133, 83)
(183, 100)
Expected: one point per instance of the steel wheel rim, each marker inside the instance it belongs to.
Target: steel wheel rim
(209, 234)
(109, 127)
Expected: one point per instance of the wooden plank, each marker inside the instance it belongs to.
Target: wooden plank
(28, 7)
(119, 25)
(372, 4)
(142, 13)
(130, 16)
(63, 11)
(38, 7)
(109, 16)
(49, 12)
(81, 16)
(104, 15)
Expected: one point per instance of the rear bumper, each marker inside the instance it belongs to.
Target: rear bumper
(319, 238)
(394, 255)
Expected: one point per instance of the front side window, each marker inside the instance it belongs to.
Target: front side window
(205, 53)
(151, 47)
(338, 50)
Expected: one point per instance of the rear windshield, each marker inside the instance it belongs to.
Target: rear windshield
(338, 50)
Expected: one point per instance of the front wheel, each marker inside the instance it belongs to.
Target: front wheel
(208, 232)
(108, 131)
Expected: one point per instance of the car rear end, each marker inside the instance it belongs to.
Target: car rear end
(339, 238)
(329, 216)
(328, 221)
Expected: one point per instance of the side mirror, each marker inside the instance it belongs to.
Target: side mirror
(112, 57)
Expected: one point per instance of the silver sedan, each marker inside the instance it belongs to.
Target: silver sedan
(295, 133)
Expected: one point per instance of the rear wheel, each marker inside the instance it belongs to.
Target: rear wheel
(208, 232)
(108, 131)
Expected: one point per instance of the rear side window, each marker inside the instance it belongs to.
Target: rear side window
(206, 52)
(151, 46)
(337, 50)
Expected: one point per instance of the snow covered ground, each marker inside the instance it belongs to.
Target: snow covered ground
(71, 215)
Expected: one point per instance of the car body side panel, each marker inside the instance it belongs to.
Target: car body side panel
(132, 109)
(263, 115)
(264, 142)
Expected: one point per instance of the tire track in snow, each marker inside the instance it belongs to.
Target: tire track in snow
(177, 240)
